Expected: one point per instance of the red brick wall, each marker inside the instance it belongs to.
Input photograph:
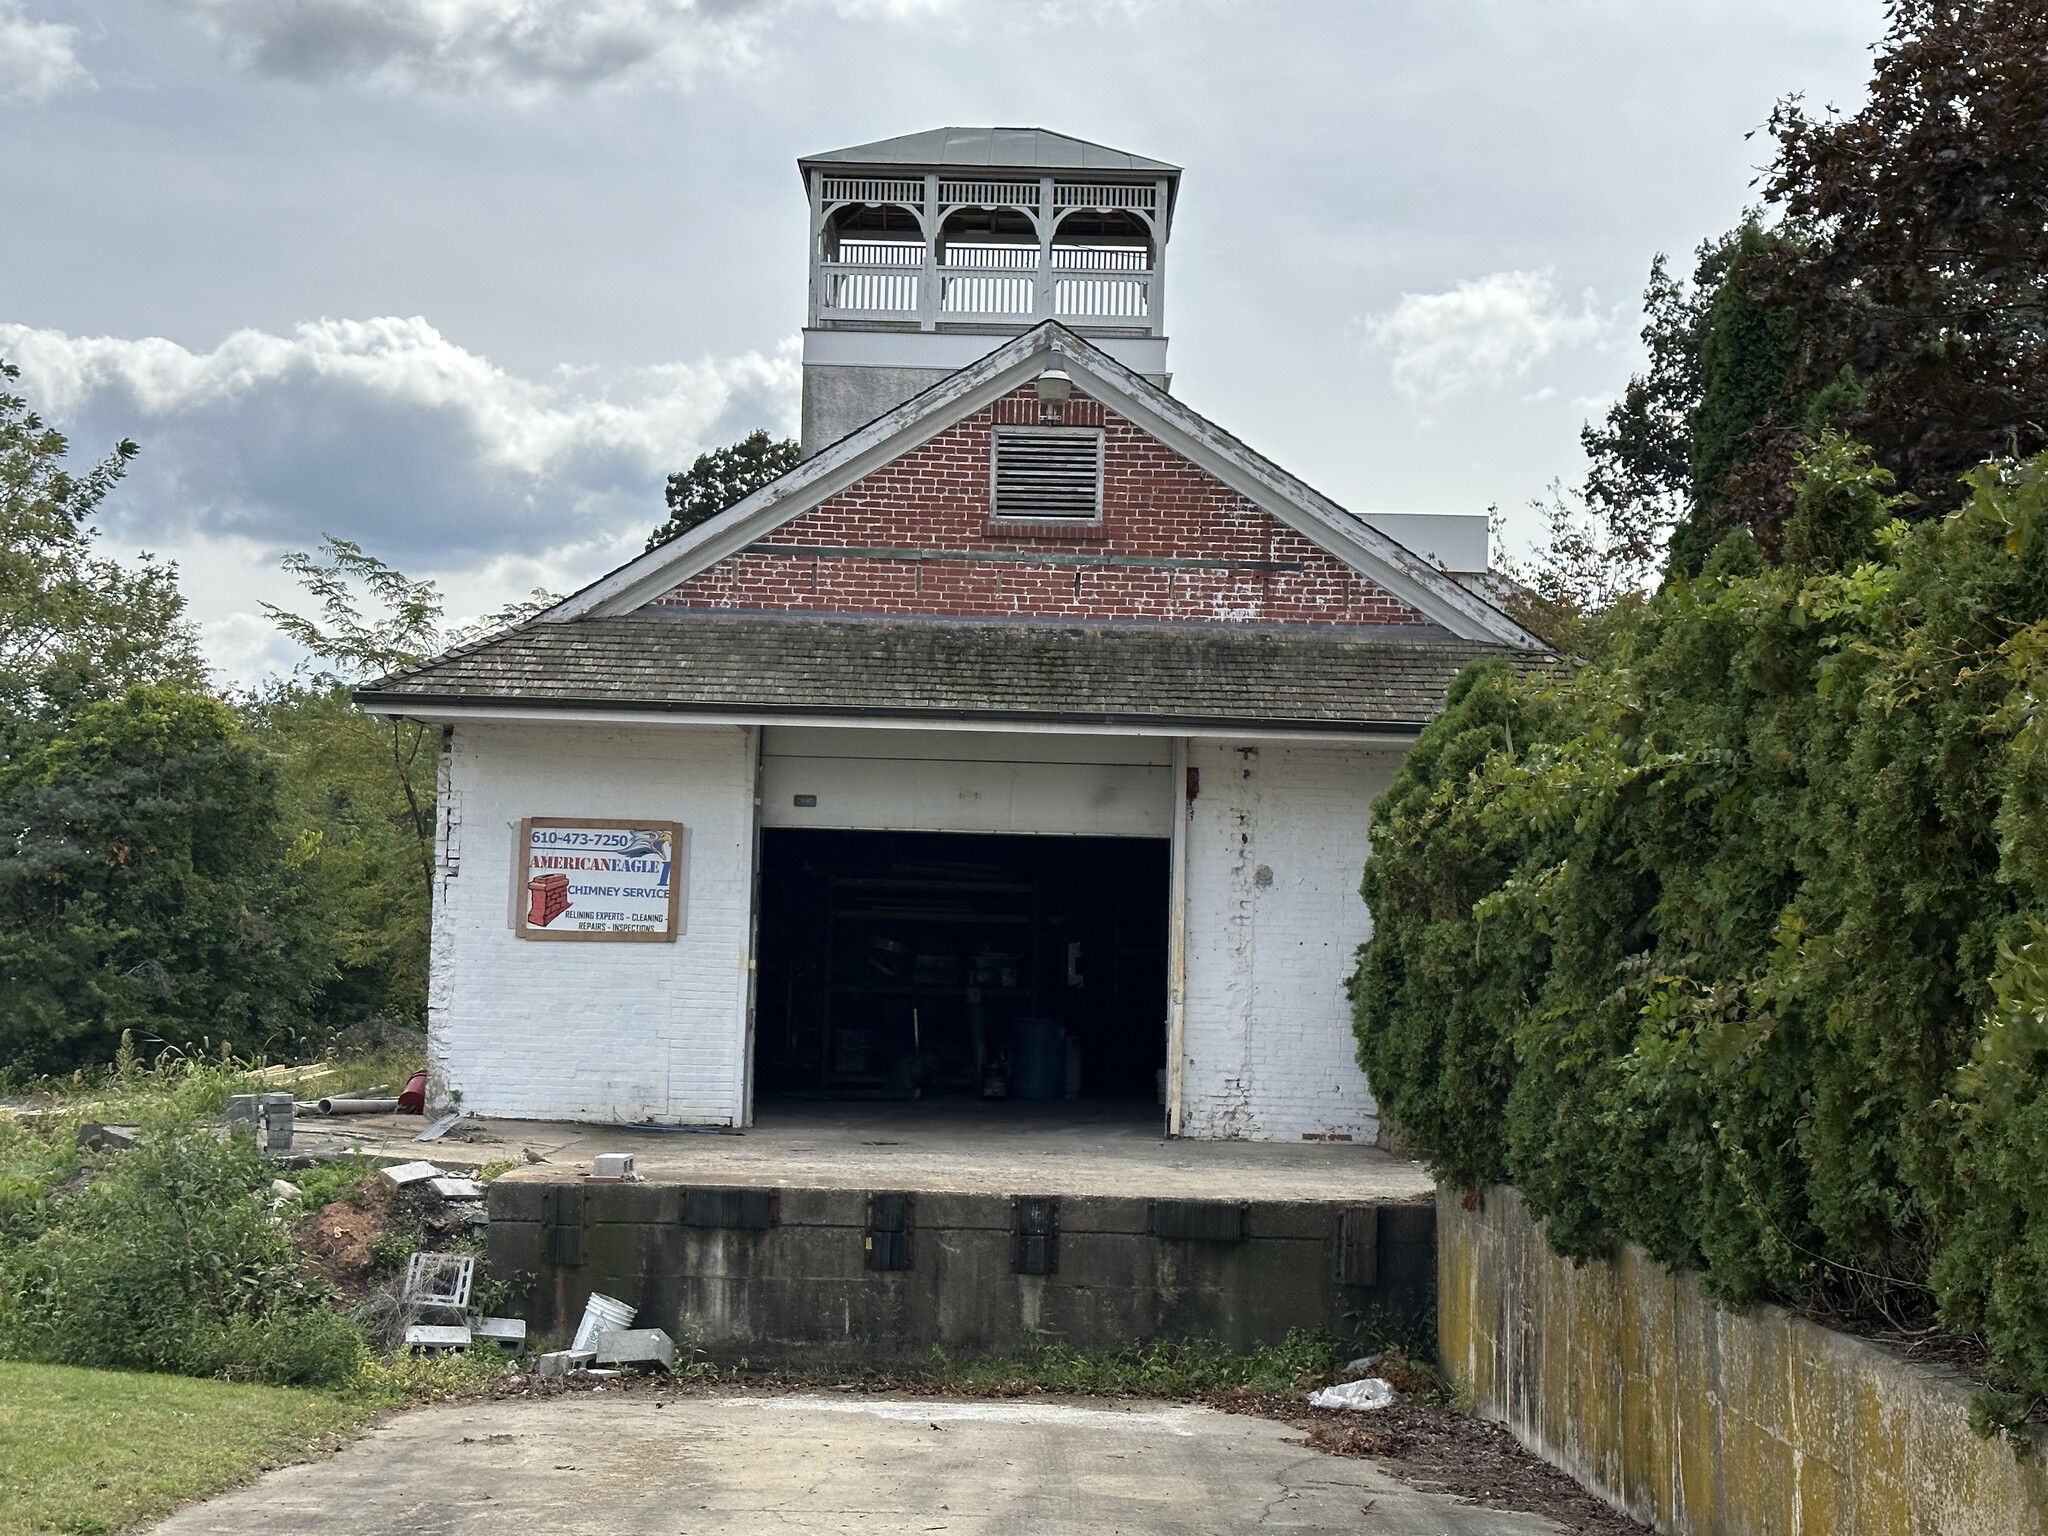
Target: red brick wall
(1154, 503)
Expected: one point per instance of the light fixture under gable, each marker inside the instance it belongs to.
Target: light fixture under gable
(1055, 389)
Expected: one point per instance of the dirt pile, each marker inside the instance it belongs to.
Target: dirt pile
(335, 1245)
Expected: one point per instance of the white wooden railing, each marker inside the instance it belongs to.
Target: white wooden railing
(1103, 298)
(853, 290)
(881, 253)
(998, 283)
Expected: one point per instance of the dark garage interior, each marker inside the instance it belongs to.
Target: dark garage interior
(906, 965)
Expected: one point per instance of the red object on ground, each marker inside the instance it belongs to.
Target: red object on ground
(414, 1100)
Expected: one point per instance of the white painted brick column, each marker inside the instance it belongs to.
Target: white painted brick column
(1277, 841)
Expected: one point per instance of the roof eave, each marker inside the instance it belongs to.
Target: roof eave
(445, 705)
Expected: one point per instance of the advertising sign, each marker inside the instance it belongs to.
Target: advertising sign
(582, 878)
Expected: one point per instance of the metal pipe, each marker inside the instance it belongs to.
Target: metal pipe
(357, 1106)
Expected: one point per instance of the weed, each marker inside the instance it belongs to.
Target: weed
(325, 1183)
(1166, 1369)
(168, 1259)
(409, 1377)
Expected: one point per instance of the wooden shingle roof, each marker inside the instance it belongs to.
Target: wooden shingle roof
(922, 670)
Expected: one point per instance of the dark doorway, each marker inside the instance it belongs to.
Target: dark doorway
(902, 965)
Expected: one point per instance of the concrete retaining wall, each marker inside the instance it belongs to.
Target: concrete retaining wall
(802, 1288)
(1705, 1422)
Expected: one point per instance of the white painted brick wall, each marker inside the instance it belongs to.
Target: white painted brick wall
(592, 1031)
(1277, 842)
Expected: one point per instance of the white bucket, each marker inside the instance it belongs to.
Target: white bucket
(601, 1314)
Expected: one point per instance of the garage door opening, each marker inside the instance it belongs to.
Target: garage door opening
(969, 968)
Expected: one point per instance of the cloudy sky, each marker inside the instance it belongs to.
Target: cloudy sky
(464, 279)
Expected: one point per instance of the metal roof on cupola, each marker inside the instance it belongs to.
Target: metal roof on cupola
(1036, 149)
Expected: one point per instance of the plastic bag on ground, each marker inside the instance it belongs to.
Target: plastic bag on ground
(1372, 1392)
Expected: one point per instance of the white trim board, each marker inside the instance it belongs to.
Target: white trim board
(450, 711)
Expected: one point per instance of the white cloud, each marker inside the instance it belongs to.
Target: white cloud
(38, 59)
(387, 432)
(1479, 334)
(527, 427)
(521, 48)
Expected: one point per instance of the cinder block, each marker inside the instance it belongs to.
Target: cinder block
(561, 1362)
(403, 1174)
(245, 1113)
(436, 1336)
(506, 1332)
(636, 1346)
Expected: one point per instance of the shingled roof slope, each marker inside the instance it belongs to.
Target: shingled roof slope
(1136, 675)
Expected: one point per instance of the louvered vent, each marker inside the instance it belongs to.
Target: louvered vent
(1048, 475)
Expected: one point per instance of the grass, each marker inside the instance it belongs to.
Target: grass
(101, 1451)
(1142, 1370)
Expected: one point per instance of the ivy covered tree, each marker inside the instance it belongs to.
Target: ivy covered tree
(1920, 297)
(721, 478)
(1894, 286)
(1733, 940)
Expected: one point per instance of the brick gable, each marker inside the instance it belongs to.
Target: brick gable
(914, 537)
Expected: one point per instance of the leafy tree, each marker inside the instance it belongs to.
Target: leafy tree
(1731, 940)
(1640, 477)
(1901, 295)
(358, 645)
(148, 882)
(1921, 299)
(342, 798)
(74, 625)
(721, 478)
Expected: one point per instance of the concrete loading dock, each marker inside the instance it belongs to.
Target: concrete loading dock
(966, 1230)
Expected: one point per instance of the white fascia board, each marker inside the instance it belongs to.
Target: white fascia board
(448, 712)
(844, 464)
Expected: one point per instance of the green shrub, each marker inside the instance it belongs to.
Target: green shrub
(169, 1258)
(150, 882)
(1730, 941)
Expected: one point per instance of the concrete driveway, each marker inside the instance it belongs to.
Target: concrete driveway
(616, 1464)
